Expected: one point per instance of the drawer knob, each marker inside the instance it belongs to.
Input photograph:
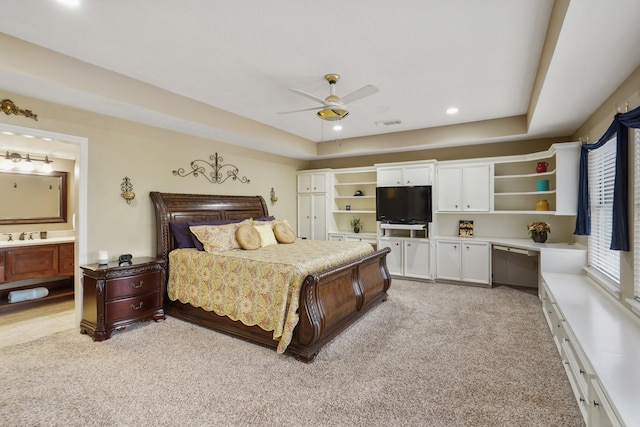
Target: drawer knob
(138, 307)
(136, 286)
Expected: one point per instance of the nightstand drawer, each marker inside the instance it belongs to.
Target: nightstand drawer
(132, 285)
(130, 308)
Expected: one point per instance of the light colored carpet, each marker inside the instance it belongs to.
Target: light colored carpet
(431, 355)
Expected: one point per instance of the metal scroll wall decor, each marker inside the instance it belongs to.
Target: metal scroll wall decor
(214, 170)
(9, 107)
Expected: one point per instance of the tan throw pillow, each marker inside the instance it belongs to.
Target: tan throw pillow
(283, 232)
(248, 237)
(266, 235)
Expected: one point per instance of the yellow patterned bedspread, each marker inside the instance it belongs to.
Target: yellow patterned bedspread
(260, 287)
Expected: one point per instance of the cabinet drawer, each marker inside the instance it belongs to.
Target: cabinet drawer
(132, 285)
(65, 259)
(131, 308)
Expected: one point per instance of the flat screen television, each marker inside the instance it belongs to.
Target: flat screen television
(404, 205)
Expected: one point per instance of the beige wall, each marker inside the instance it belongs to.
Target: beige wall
(147, 155)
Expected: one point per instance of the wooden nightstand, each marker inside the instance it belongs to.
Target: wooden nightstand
(116, 296)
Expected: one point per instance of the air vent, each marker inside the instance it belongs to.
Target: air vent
(389, 122)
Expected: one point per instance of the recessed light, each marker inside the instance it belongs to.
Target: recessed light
(70, 3)
(337, 128)
(28, 136)
(452, 110)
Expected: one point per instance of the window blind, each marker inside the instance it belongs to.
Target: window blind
(636, 218)
(602, 168)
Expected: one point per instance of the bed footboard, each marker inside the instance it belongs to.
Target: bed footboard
(332, 300)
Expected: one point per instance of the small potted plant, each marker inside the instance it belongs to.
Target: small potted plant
(538, 231)
(356, 225)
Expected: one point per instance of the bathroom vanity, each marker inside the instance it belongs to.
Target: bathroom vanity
(34, 264)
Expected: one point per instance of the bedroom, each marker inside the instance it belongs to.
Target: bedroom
(119, 147)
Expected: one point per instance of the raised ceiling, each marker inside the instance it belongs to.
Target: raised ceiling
(523, 68)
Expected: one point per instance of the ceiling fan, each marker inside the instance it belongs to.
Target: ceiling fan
(334, 108)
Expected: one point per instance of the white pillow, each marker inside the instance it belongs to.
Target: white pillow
(267, 238)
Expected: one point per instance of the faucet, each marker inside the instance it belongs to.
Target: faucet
(22, 235)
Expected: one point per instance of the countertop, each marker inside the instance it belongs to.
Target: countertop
(34, 242)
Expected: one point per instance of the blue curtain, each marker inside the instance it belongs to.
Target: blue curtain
(620, 233)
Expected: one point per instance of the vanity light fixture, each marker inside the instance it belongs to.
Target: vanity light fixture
(24, 163)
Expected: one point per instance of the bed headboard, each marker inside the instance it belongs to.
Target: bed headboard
(175, 207)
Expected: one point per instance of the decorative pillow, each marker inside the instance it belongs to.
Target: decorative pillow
(267, 237)
(248, 237)
(196, 242)
(216, 238)
(283, 232)
(182, 236)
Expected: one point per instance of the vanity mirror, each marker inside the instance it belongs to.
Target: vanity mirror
(33, 198)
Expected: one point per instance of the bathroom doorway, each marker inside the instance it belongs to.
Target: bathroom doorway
(64, 146)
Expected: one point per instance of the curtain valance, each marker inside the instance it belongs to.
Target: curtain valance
(620, 233)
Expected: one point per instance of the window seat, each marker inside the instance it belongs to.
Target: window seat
(599, 341)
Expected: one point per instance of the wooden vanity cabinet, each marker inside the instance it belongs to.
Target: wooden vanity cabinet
(37, 262)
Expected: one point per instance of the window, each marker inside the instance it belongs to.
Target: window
(602, 167)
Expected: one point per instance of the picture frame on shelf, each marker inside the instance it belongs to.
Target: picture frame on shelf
(465, 228)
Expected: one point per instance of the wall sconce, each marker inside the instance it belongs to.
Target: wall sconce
(274, 198)
(127, 190)
(16, 161)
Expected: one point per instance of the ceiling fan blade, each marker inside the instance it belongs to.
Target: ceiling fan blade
(304, 109)
(308, 95)
(359, 94)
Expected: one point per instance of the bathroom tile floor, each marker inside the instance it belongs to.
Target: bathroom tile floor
(30, 323)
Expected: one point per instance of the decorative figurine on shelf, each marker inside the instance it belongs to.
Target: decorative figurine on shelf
(538, 231)
(542, 167)
(357, 225)
(358, 193)
(542, 205)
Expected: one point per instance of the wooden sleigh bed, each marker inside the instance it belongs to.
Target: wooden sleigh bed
(330, 300)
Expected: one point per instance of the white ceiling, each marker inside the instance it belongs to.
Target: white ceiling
(483, 57)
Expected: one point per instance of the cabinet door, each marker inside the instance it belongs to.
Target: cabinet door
(319, 219)
(416, 258)
(448, 260)
(449, 189)
(394, 258)
(305, 204)
(304, 183)
(319, 182)
(601, 414)
(475, 262)
(34, 261)
(417, 175)
(475, 188)
(389, 177)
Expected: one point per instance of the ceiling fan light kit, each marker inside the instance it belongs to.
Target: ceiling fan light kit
(334, 108)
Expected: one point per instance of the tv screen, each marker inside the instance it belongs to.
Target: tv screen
(404, 205)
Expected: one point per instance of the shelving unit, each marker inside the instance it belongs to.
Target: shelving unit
(346, 182)
(515, 181)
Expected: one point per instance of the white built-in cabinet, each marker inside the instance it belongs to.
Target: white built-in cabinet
(464, 187)
(463, 261)
(312, 205)
(410, 254)
(409, 175)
